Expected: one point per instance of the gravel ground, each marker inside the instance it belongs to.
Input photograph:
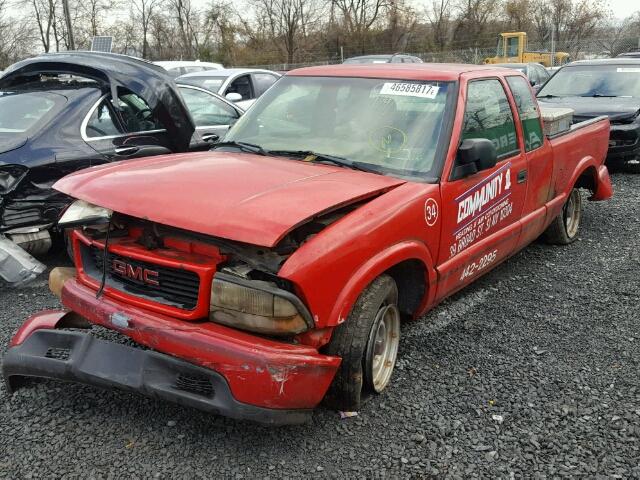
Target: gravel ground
(530, 372)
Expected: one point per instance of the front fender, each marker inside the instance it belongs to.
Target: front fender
(377, 265)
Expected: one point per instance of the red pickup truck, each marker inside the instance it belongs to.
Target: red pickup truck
(270, 274)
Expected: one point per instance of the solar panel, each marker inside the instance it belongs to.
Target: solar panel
(101, 44)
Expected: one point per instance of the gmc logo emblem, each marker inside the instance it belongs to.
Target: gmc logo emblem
(143, 275)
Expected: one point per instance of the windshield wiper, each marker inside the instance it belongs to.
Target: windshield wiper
(244, 146)
(599, 95)
(548, 96)
(323, 158)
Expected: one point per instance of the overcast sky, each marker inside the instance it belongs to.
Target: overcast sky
(624, 8)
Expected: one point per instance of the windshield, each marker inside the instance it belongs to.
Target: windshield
(210, 83)
(594, 81)
(386, 126)
(22, 111)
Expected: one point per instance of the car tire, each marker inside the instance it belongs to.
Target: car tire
(564, 229)
(368, 343)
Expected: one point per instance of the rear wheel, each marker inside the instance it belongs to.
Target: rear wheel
(368, 344)
(565, 227)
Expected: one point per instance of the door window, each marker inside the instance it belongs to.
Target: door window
(208, 110)
(241, 85)
(262, 81)
(136, 114)
(529, 115)
(102, 122)
(488, 115)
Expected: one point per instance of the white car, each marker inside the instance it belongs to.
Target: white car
(179, 67)
(239, 85)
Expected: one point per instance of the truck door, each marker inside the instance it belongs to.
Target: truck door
(482, 211)
(539, 160)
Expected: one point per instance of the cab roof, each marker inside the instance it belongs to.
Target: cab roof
(409, 71)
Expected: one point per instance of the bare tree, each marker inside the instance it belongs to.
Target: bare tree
(472, 21)
(439, 15)
(143, 12)
(358, 17)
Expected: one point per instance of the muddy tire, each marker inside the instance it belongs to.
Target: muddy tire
(565, 227)
(367, 342)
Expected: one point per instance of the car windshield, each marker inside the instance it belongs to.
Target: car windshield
(210, 83)
(382, 125)
(594, 81)
(23, 111)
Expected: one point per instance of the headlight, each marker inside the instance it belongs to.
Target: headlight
(83, 213)
(256, 306)
(10, 177)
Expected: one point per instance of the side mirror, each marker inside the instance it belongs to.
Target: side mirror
(233, 97)
(474, 155)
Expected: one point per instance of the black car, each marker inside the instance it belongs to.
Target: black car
(57, 115)
(535, 72)
(603, 87)
(395, 58)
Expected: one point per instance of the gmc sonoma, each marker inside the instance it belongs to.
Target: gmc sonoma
(268, 275)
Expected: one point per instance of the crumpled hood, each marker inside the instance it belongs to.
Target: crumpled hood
(239, 196)
(618, 108)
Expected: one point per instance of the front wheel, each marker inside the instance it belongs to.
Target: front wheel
(565, 227)
(368, 344)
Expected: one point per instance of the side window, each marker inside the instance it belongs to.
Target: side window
(241, 85)
(532, 75)
(136, 114)
(262, 81)
(529, 115)
(542, 74)
(175, 72)
(207, 110)
(512, 47)
(488, 115)
(102, 122)
(193, 69)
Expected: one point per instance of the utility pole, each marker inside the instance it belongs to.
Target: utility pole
(67, 17)
(553, 44)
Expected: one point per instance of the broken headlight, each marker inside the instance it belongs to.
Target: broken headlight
(256, 306)
(84, 213)
(10, 177)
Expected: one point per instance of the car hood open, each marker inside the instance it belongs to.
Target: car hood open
(238, 196)
(111, 71)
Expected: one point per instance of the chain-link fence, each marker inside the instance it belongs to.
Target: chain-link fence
(577, 49)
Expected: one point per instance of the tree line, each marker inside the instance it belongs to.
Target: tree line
(264, 32)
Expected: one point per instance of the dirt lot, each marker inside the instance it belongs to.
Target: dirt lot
(533, 371)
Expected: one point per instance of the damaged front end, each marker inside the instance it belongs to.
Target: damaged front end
(214, 326)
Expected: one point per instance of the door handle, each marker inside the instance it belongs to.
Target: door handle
(210, 137)
(522, 176)
(126, 150)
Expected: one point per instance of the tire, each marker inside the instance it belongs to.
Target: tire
(368, 343)
(564, 229)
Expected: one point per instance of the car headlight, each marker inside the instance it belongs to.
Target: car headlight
(10, 177)
(84, 213)
(256, 306)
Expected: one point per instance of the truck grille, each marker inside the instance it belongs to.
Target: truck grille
(168, 286)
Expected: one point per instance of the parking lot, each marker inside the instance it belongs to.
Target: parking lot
(531, 371)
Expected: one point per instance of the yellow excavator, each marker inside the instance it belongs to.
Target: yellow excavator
(512, 48)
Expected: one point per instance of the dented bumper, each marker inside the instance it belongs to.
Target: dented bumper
(248, 371)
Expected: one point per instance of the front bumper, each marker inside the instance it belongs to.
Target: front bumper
(255, 371)
(624, 143)
(80, 357)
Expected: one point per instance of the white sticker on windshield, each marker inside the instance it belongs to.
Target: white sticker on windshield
(628, 70)
(422, 90)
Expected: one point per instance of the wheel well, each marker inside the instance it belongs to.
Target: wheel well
(410, 277)
(587, 179)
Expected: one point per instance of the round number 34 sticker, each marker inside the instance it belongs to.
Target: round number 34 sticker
(431, 212)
